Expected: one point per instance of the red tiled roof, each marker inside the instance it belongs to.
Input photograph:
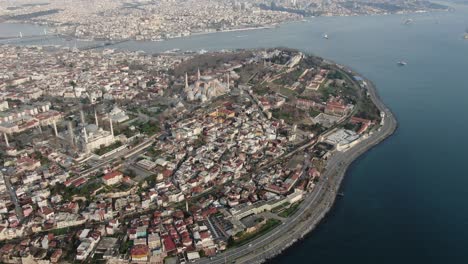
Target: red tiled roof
(169, 244)
(112, 175)
(79, 181)
(167, 173)
(46, 210)
(204, 234)
(139, 251)
(359, 120)
(57, 253)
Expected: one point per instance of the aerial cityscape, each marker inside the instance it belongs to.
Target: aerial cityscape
(118, 154)
(137, 157)
(165, 19)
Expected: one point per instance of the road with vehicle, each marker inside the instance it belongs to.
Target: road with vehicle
(316, 204)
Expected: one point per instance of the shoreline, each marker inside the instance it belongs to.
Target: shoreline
(316, 204)
(360, 149)
(351, 160)
(120, 40)
(194, 34)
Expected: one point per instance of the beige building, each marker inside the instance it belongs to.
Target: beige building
(112, 178)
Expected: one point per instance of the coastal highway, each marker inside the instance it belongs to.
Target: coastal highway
(271, 237)
(315, 205)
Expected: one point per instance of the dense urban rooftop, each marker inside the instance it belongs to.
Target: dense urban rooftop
(159, 20)
(124, 156)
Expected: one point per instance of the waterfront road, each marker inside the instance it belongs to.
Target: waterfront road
(315, 205)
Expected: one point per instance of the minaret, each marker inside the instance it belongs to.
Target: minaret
(85, 135)
(85, 145)
(83, 121)
(6, 140)
(70, 132)
(95, 117)
(111, 127)
(227, 84)
(55, 128)
(198, 74)
(186, 81)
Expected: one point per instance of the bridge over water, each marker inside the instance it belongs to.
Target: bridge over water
(57, 39)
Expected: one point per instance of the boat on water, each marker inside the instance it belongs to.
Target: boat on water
(402, 63)
(340, 194)
(172, 51)
(408, 21)
(85, 39)
(325, 36)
